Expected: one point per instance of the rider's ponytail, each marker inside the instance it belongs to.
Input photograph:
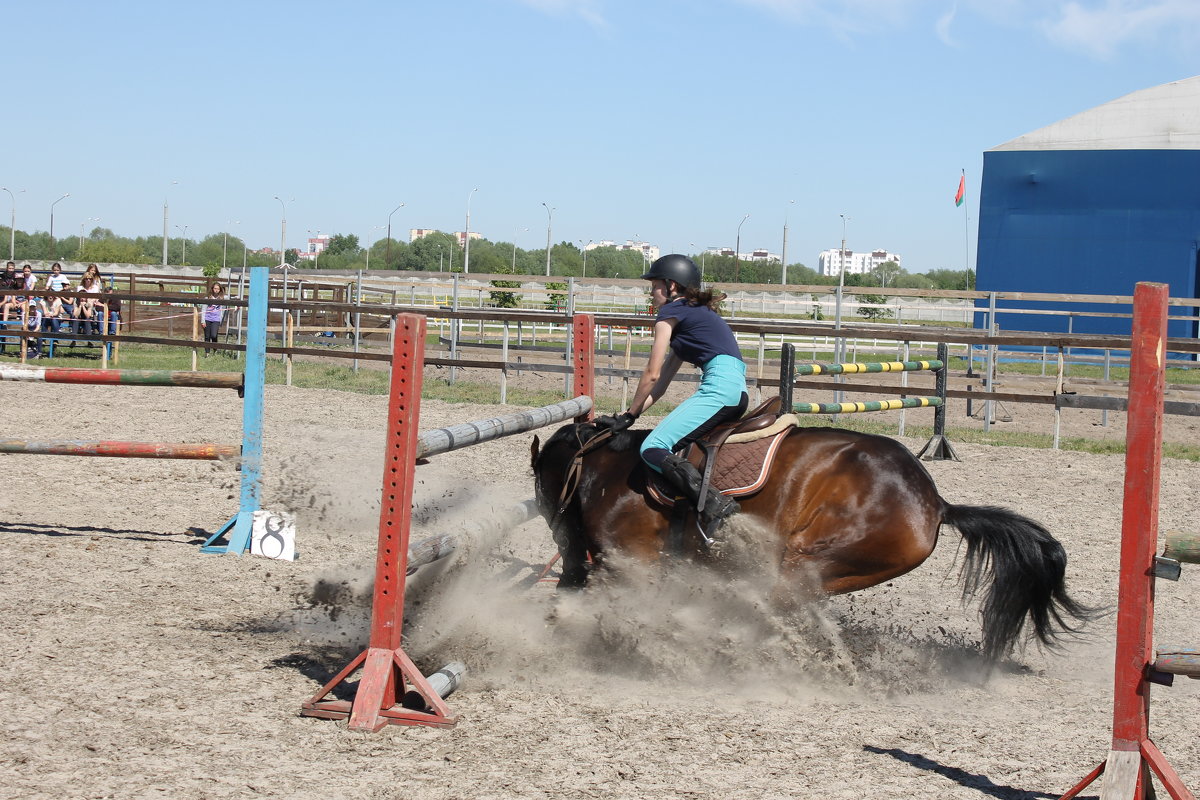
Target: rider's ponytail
(706, 297)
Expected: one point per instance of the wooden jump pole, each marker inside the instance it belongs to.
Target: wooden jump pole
(114, 449)
(125, 377)
(869, 405)
(1133, 755)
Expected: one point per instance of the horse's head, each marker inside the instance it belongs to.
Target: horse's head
(551, 463)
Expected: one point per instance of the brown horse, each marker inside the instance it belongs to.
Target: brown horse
(849, 509)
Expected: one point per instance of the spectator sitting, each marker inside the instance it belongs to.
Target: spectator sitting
(10, 285)
(53, 310)
(57, 282)
(114, 311)
(33, 347)
(89, 309)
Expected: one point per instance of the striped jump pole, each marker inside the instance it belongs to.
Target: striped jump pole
(387, 671)
(869, 405)
(122, 377)
(1133, 755)
(167, 450)
(857, 368)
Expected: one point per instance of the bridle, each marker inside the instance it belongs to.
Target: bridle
(571, 484)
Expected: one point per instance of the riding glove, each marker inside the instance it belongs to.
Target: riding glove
(615, 423)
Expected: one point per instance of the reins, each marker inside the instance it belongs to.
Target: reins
(573, 472)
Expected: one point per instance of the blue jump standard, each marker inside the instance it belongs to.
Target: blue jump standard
(239, 527)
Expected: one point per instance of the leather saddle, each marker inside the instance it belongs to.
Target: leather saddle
(736, 469)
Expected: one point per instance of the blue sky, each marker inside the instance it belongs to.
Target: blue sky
(665, 119)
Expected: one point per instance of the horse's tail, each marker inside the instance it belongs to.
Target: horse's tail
(1020, 569)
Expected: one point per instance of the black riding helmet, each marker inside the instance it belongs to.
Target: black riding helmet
(675, 267)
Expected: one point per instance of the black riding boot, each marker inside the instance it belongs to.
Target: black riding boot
(715, 507)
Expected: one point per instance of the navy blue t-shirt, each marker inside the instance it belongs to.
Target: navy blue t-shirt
(700, 333)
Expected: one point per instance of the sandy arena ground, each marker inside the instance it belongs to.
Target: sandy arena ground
(133, 666)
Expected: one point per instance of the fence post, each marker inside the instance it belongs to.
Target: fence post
(787, 377)
(357, 316)
(195, 324)
(454, 324)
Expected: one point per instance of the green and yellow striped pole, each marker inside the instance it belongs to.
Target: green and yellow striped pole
(870, 405)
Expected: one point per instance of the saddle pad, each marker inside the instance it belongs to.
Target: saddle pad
(784, 423)
(741, 469)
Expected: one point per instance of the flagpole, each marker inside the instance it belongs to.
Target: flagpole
(966, 242)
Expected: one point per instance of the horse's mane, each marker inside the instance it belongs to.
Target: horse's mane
(577, 434)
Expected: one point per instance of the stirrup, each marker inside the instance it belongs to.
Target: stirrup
(708, 525)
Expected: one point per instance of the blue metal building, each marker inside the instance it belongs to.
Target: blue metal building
(1093, 204)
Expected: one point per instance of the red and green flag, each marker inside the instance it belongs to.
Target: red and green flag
(962, 189)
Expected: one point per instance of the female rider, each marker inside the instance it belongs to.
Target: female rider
(687, 328)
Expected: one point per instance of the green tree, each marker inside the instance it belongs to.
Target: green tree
(886, 272)
(502, 299)
(952, 278)
(437, 251)
(906, 280)
(803, 276)
(489, 257)
(873, 313)
(558, 295)
(111, 251)
(341, 244)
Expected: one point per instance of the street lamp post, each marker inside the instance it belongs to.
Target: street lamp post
(837, 320)
(585, 249)
(183, 260)
(783, 255)
(89, 219)
(52, 205)
(165, 229)
(467, 234)
(842, 253)
(282, 232)
(387, 257)
(12, 225)
(737, 248)
(514, 258)
(549, 221)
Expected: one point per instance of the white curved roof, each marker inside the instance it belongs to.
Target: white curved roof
(1165, 117)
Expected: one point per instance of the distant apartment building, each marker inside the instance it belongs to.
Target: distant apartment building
(459, 236)
(834, 262)
(315, 246)
(650, 252)
(760, 254)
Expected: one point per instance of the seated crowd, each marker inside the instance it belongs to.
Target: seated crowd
(90, 310)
